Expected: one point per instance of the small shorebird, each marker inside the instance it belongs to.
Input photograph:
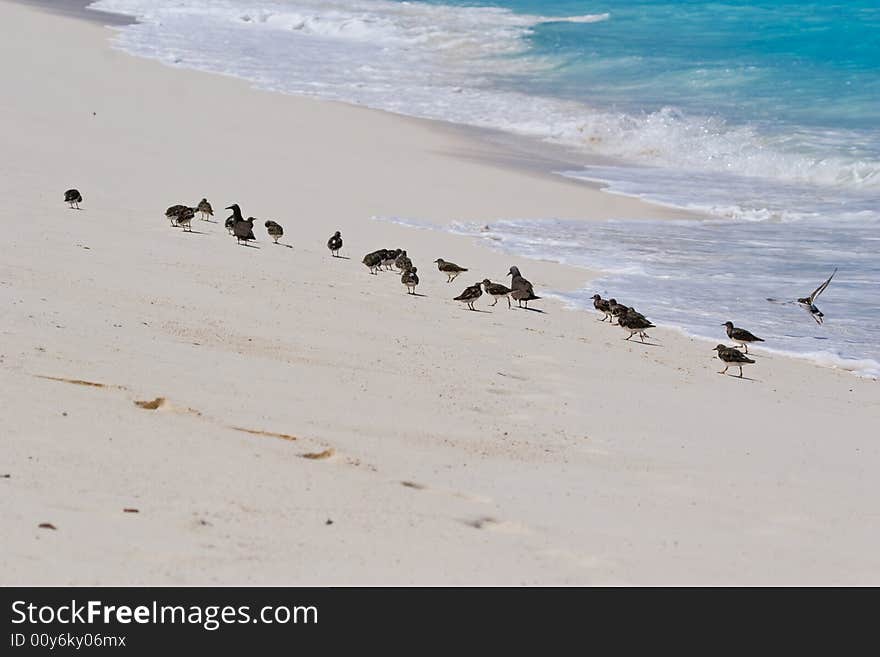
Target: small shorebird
(402, 262)
(740, 335)
(520, 289)
(603, 306)
(173, 212)
(470, 295)
(233, 218)
(335, 244)
(616, 308)
(808, 302)
(451, 269)
(275, 230)
(410, 279)
(634, 322)
(73, 198)
(374, 260)
(185, 217)
(732, 356)
(390, 257)
(497, 291)
(244, 230)
(204, 209)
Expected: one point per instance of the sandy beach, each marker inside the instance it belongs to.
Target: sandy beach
(304, 423)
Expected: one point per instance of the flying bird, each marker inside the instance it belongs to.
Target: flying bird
(809, 302)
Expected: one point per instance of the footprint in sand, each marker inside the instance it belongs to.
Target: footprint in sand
(503, 526)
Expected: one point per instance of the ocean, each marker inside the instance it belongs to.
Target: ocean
(763, 117)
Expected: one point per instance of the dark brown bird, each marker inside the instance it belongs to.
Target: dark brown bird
(731, 356)
(173, 212)
(521, 289)
(275, 230)
(603, 306)
(497, 291)
(634, 322)
(244, 231)
(402, 262)
(73, 198)
(410, 279)
(470, 295)
(374, 260)
(204, 209)
(740, 335)
(335, 244)
(451, 269)
(184, 219)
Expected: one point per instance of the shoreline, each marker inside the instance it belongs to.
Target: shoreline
(500, 447)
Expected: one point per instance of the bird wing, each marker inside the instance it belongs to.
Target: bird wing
(819, 290)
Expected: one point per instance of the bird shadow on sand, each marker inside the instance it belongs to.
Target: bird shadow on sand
(740, 378)
(476, 310)
(341, 257)
(424, 296)
(646, 344)
(250, 246)
(531, 310)
(193, 232)
(288, 246)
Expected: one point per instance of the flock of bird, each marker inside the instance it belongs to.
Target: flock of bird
(520, 290)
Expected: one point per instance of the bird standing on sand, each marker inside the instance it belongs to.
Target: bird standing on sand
(616, 309)
(204, 209)
(173, 212)
(740, 335)
(73, 198)
(402, 262)
(233, 218)
(731, 356)
(808, 302)
(410, 279)
(451, 269)
(390, 256)
(335, 244)
(244, 231)
(603, 306)
(374, 260)
(184, 218)
(470, 295)
(275, 230)
(497, 291)
(634, 322)
(521, 289)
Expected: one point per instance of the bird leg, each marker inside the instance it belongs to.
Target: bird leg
(740, 371)
(724, 371)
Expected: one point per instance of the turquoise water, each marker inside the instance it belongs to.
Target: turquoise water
(763, 117)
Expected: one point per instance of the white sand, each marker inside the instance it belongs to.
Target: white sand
(538, 448)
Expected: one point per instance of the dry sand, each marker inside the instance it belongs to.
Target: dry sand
(502, 447)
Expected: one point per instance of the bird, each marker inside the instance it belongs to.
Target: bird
(234, 217)
(335, 244)
(402, 262)
(73, 198)
(173, 212)
(451, 269)
(603, 306)
(410, 279)
(740, 335)
(634, 322)
(470, 295)
(204, 208)
(521, 289)
(243, 229)
(732, 356)
(374, 260)
(390, 257)
(497, 291)
(275, 230)
(184, 218)
(809, 302)
(616, 308)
